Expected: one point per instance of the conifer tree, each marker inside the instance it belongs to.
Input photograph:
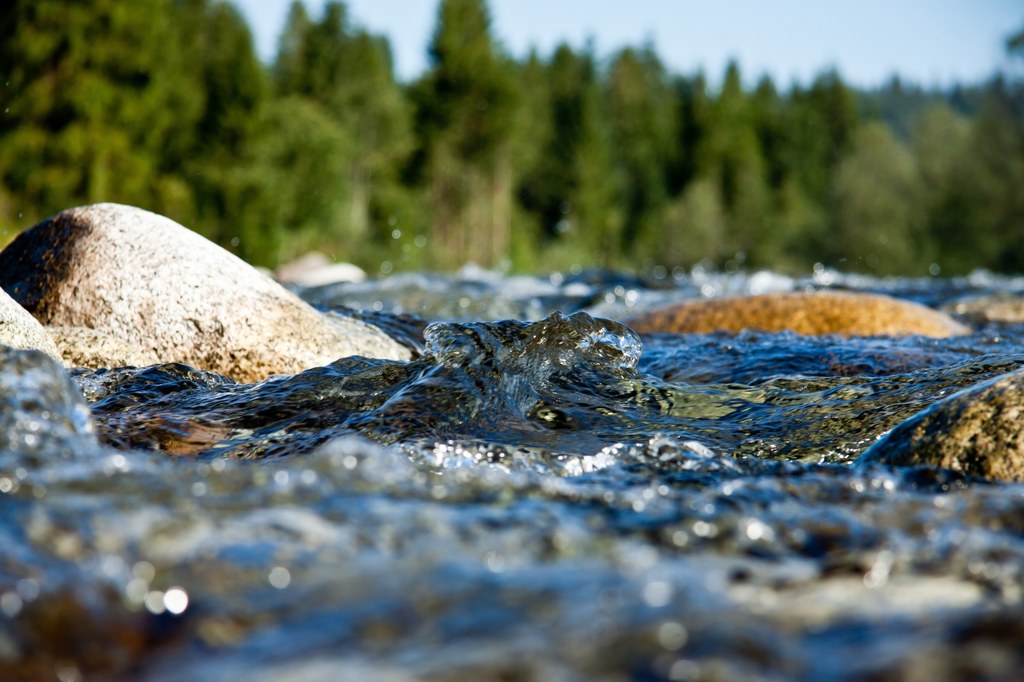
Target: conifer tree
(731, 155)
(348, 74)
(572, 187)
(643, 120)
(465, 117)
(93, 96)
(225, 70)
(876, 190)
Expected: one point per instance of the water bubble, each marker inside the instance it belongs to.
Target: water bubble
(657, 593)
(704, 529)
(386, 267)
(279, 577)
(421, 240)
(495, 562)
(176, 600)
(10, 604)
(879, 573)
(281, 478)
(28, 589)
(143, 570)
(396, 234)
(135, 591)
(684, 670)
(154, 602)
(757, 530)
(198, 489)
(672, 636)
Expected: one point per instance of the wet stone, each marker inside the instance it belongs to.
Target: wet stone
(550, 496)
(978, 432)
(826, 312)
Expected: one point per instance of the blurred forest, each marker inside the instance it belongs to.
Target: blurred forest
(559, 160)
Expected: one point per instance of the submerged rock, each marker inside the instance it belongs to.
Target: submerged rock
(978, 431)
(825, 312)
(167, 291)
(18, 329)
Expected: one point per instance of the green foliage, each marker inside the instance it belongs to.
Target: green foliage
(877, 191)
(91, 100)
(553, 161)
(466, 112)
(572, 187)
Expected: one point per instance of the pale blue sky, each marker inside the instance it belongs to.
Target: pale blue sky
(930, 42)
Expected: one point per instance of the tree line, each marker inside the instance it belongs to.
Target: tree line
(546, 162)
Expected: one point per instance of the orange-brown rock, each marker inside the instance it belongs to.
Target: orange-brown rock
(824, 312)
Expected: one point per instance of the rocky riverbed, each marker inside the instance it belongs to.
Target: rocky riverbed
(530, 491)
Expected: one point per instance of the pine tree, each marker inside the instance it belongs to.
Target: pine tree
(93, 98)
(877, 190)
(941, 147)
(572, 185)
(348, 74)
(993, 174)
(225, 70)
(731, 155)
(466, 108)
(641, 110)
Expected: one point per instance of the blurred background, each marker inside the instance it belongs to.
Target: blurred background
(531, 136)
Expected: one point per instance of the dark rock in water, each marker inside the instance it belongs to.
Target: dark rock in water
(825, 312)
(42, 414)
(978, 432)
(18, 329)
(168, 291)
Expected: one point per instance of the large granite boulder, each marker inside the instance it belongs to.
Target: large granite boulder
(18, 329)
(978, 431)
(824, 312)
(173, 295)
(92, 348)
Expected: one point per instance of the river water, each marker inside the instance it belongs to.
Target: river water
(540, 495)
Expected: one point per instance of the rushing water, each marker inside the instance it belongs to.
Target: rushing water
(540, 495)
